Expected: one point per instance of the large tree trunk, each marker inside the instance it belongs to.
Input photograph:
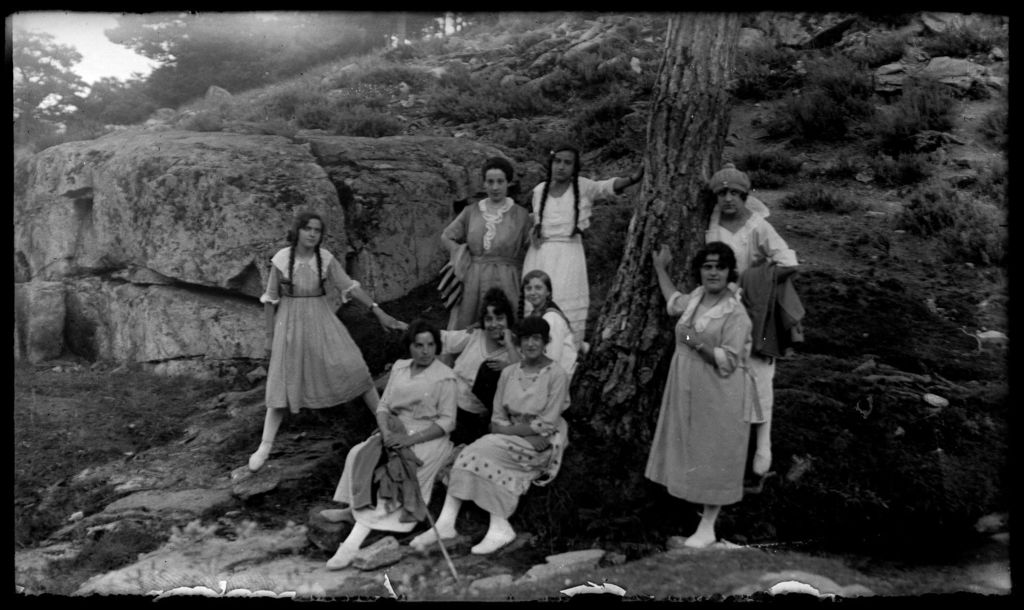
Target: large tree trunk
(618, 388)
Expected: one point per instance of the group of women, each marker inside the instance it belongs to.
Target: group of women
(495, 414)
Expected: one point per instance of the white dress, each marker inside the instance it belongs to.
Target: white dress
(562, 347)
(754, 243)
(560, 253)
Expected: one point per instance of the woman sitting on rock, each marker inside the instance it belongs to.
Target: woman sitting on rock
(414, 416)
(536, 292)
(482, 352)
(314, 363)
(525, 446)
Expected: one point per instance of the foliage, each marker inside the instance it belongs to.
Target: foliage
(902, 170)
(236, 51)
(836, 97)
(768, 169)
(819, 199)
(995, 126)
(480, 103)
(880, 49)
(46, 89)
(388, 73)
(962, 40)
(114, 101)
(600, 122)
(364, 122)
(765, 71)
(924, 105)
(970, 231)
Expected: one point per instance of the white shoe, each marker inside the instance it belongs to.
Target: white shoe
(342, 558)
(337, 515)
(427, 538)
(492, 542)
(258, 459)
(762, 462)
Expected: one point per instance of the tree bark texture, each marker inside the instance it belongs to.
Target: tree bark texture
(618, 388)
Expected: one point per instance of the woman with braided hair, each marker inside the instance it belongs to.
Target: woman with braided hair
(314, 363)
(562, 206)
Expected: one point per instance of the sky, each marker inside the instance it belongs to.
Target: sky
(84, 31)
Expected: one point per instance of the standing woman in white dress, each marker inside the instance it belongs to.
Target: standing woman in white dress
(562, 207)
(314, 363)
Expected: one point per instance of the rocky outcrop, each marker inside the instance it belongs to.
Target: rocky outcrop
(398, 193)
(159, 242)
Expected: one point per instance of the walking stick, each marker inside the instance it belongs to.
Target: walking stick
(437, 534)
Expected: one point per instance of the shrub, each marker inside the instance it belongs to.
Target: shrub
(925, 105)
(969, 231)
(395, 74)
(364, 122)
(961, 40)
(995, 128)
(899, 171)
(486, 100)
(768, 169)
(314, 115)
(836, 97)
(819, 199)
(205, 120)
(991, 184)
(879, 50)
(598, 123)
(765, 72)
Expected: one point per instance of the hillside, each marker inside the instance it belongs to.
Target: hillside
(891, 191)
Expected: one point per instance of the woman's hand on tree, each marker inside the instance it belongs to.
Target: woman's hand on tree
(661, 258)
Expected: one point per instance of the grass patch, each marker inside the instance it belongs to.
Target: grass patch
(820, 199)
(66, 421)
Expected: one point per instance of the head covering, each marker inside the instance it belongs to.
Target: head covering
(729, 177)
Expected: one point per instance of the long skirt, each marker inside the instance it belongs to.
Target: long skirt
(314, 363)
(495, 471)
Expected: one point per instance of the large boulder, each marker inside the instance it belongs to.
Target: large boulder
(204, 209)
(164, 238)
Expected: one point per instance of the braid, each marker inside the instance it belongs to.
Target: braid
(522, 305)
(544, 198)
(319, 270)
(576, 201)
(291, 269)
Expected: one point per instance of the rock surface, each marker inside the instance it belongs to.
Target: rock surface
(160, 241)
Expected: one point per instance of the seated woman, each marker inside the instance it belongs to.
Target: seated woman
(527, 439)
(536, 291)
(415, 416)
(483, 351)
